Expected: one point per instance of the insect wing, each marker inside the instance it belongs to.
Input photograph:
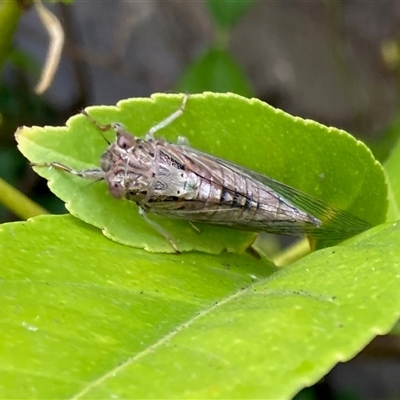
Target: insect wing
(335, 222)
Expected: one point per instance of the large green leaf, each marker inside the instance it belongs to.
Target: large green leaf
(85, 317)
(324, 162)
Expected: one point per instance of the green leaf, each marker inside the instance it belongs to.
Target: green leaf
(392, 168)
(227, 12)
(382, 147)
(324, 162)
(85, 317)
(217, 71)
(10, 14)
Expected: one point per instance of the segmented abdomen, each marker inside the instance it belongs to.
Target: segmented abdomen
(219, 195)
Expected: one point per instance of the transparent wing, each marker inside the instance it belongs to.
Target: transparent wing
(335, 222)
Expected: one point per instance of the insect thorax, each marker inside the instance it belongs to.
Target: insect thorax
(144, 173)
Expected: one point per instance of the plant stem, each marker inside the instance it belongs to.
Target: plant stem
(18, 203)
(293, 253)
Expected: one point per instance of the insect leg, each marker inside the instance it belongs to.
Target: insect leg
(159, 229)
(94, 174)
(101, 127)
(195, 228)
(165, 122)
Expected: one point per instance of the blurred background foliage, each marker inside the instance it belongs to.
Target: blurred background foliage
(336, 62)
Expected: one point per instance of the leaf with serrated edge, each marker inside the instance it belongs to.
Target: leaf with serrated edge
(324, 162)
(85, 317)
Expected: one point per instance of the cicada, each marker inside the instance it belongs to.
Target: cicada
(178, 181)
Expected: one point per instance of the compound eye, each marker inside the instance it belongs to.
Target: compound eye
(116, 189)
(125, 141)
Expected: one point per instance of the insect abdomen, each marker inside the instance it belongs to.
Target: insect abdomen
(222, 196)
